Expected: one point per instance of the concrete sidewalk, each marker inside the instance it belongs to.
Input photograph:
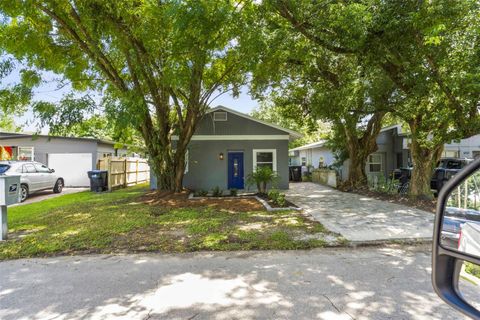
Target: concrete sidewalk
(359, 218)
(374, 283)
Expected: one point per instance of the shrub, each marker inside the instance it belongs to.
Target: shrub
(217, 192)
(277, 197)
(200, 193)
(273, 194)
(261, 177)
(281, 201)
(233, 192)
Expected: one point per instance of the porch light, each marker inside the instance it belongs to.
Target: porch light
(220, 156)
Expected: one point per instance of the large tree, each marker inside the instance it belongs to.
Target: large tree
(309, 81)
(428, 49)
(157, 64)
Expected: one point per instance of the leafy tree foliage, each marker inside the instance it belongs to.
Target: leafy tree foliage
(292, 118)
(157, 64)
(302, 75)
(428, 50)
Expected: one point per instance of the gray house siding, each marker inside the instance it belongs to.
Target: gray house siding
(240, 133)
(206, 170)
(235, 125)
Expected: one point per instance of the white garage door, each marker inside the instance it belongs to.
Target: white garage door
(72, 167)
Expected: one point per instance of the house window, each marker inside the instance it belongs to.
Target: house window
(265, 158)
(375, 164)
(25, 153)
(450, 154)
(304, 161)
(476, 154)
(219, 116)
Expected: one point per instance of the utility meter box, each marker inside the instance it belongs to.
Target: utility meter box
(9, 190)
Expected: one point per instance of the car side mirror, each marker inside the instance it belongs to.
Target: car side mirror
(456, 242)
(52, 170)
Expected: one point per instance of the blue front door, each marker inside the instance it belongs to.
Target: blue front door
(235, 170)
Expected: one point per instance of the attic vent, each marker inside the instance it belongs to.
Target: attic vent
(219, 116)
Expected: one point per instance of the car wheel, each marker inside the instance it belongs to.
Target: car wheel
(58, 186)
(23, 192)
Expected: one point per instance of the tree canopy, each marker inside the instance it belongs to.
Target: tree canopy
(158, 65)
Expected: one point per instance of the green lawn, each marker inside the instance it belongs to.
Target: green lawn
(121, 221)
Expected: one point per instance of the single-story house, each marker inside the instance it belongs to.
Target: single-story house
(228, 145)
(315, 154)
(393, 152)
(70, 157)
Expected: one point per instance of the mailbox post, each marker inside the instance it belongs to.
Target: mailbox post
(9, 194)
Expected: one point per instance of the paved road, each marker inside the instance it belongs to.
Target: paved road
(360, 218)
(333, 284)
(48, 194)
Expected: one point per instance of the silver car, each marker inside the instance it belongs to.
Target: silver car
(34, 176)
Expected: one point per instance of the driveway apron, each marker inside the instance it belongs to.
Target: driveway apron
(359, 218)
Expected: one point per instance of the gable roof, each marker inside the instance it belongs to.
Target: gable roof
(293, 134)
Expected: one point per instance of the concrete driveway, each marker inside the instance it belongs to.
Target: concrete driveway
(328, 284)
(48, 194)
(359, 218)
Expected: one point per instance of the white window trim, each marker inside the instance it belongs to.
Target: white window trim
(380, 163)
(33, 151)
(218, 112)
(187, 153)
(274, 157)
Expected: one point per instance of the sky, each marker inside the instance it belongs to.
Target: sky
(49, 92)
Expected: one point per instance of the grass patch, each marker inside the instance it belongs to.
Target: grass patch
(122, 221)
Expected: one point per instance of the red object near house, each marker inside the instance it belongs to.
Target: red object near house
(6, 153)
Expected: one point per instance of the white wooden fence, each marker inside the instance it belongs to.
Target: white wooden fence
(123, 172)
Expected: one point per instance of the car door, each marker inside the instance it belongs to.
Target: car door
(32, 177)
(44, 176)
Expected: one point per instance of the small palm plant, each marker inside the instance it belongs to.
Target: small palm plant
(261, 177)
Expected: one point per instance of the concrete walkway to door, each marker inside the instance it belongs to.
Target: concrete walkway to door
(359, 218)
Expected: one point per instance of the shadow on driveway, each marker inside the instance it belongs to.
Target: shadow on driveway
(359, 218)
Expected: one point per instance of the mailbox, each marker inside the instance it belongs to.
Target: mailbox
(9, 190)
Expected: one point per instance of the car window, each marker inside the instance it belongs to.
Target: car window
(4, 168)
(29, 168)
(42, 168)
(454, 164)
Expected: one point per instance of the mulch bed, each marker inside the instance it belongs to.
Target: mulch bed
(172, 200)
(426, 205)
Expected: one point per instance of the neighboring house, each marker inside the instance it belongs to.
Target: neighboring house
(393, 152)
(228, 145)
(70, 157)
(314, 154)
(465, 148)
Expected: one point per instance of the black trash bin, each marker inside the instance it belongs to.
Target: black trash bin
(98, 180)
(295, 173)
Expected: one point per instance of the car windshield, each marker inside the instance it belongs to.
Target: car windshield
(4, 168)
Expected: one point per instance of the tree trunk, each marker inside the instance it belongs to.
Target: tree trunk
(424, 160)
(356, 169)
(359, 148)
